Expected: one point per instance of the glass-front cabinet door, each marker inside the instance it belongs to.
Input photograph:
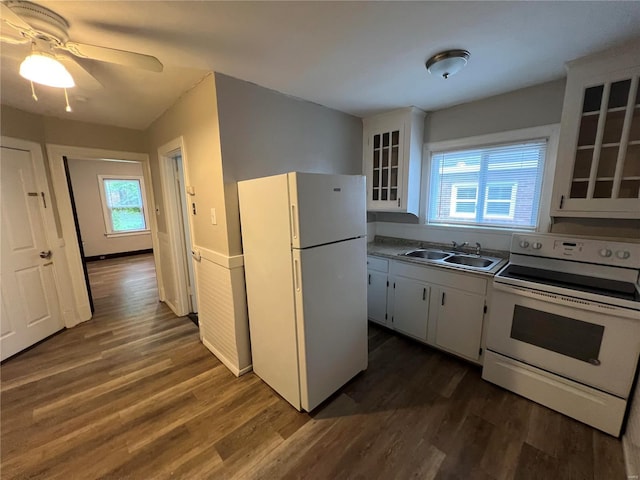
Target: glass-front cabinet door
(602, 149)
(385, 167)
(392, 159)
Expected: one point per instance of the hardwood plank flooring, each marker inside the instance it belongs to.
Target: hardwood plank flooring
(133, 394)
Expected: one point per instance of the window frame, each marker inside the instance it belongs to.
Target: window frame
(106, 211)
(453, 205)
(511, 201)
(543, 224)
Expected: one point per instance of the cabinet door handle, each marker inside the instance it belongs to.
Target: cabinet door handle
(442, 301)
(561, 201)
(424, 293)
(369, 279)
(398, 201)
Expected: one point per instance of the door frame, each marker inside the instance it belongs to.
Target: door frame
(55, 243)
(56, 154)
(178, 251)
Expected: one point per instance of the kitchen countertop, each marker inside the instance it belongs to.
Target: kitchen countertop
(393, 248)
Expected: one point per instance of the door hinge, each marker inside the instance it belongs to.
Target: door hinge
(398, 201)
(561, 202)
(485, 308)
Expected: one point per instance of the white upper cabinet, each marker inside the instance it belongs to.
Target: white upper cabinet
(392, 151)
(598, 166)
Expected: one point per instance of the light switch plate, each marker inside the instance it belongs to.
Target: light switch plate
(214, 221)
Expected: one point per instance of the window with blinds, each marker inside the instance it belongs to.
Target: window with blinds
(495, 186)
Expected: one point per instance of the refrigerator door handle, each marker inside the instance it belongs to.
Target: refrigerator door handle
(296, 275)
(294, 221)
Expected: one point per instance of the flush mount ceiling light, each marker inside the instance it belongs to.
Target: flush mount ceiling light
(447, 63)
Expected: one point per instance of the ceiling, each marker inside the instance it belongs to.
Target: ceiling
(357, 57)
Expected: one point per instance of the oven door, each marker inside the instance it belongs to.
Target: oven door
(591, 343)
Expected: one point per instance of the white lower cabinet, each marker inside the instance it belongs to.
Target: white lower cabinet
(377, 297)
(441, 307)
(377, 283)
(410, 307)
(457, 321)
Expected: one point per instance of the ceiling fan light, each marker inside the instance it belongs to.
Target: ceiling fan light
(445, 64)
(46, 70)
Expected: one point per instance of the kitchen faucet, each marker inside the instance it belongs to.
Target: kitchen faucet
(458, 247)
(478, 247)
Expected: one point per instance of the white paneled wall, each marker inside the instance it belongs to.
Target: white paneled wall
(222, 310)
(631, 439)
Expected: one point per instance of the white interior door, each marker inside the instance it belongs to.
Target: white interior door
(187, 244)
(30, 305)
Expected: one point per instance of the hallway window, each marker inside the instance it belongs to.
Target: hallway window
(123, 204)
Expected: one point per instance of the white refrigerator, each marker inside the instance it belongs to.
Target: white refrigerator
(304, 242)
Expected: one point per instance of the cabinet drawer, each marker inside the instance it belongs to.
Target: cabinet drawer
(378, 264)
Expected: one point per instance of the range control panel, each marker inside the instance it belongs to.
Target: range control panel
(588, 250)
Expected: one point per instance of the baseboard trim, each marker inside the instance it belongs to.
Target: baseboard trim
(106, 256)
(238, 372)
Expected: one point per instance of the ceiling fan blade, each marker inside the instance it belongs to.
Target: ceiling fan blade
(81, 76)
(11, 18)
(111, 55)
(13, 41)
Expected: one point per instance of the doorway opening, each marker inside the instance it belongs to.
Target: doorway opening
(178, 208)
(175, 242)
(185, 234)
(113, 231)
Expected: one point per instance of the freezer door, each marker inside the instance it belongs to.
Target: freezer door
(331, 317)
(326, 208)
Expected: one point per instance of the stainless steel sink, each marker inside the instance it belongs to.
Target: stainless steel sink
(464, 261)
(428, 254)
(478, 262)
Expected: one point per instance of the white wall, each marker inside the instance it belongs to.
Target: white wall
(524, 108)
(84, 180)
(264, 132)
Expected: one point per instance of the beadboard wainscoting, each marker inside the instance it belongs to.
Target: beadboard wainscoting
(167, 287)
(631, 439)
(222, 309)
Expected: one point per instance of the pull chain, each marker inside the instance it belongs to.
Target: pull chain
(66, 97)
(33, 92)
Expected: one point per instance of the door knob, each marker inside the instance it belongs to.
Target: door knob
(46, 254)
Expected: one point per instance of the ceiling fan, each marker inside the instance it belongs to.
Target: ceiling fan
(46, 31)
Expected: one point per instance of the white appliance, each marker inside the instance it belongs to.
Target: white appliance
(304, 242)
(564, 327)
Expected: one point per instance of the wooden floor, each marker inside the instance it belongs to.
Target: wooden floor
(134, 394)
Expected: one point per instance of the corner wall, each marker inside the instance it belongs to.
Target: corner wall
(264, 132)
(222, 310)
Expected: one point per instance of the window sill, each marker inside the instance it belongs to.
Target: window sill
(127, 234)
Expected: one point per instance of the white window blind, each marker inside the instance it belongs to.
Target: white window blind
(489, 186)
